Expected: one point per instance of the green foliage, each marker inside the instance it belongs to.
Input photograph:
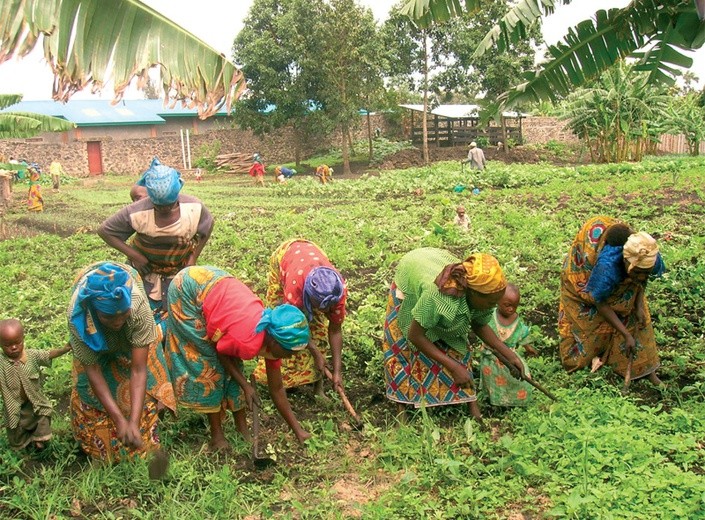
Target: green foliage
(619, 116)
(592, 454)
(686, 115)
(206, 154)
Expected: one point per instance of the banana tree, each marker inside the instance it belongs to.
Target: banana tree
(88, 42)
(657, 33)
(25, 124)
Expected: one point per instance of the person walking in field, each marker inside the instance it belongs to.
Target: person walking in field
(476, 157)
(257, 170)
(56, 171)
(26, 410)
(434, 302)
(215, 322)
(301, 274)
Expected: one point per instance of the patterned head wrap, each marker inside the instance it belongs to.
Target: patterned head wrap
(480, 272)
(323, 285)
(106, 289)
(287, 325)
(641, 251)
(163, 183)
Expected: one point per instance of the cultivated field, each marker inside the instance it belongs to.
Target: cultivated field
(593, 454)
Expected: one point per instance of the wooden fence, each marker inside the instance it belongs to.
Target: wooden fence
(445, 132)
(676, 144)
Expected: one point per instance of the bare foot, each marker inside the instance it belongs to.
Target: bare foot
(596, 364)
(654, 379)
(218, 445)
(39, 445)
(240, 418)
(477, 415)
(402, 417)
(318, 391)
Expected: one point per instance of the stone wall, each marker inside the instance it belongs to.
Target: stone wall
(539, 130)
(132, 156)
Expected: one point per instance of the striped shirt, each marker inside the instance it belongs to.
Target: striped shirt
(23, 376)
(443, 317)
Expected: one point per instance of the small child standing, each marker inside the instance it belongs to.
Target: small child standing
(461, 219)
(26, 410)
(496, 379)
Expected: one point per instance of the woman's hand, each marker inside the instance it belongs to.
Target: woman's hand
(128, 433)
(461, 376)
(629, 344)
(250, 396)
(302, 435)
(516, 366)
(140, 262)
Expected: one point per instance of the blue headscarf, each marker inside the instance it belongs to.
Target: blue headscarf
(323, 285)
(106, 289)
(287, 325)
(163, 183)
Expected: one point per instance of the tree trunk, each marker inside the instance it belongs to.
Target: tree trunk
(345, 150)
(424, 123)
(351, 143)
(369, 135)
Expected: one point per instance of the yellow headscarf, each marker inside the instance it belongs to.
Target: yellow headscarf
(480, 272)
(640, 251)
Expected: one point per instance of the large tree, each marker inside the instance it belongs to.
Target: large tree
(87, 42)
(277, 51)
(348, 57)
(657, 33)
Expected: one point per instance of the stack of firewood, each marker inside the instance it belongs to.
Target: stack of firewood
(234, 162)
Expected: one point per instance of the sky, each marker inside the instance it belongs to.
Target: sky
(217, 22)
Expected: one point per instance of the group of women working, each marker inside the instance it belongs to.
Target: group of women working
(163, 332)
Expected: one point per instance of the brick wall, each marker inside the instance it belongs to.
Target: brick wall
(132, 156)
(539, 130)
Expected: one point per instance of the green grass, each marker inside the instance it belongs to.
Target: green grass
(593, 454)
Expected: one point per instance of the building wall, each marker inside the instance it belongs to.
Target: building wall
(129, 150)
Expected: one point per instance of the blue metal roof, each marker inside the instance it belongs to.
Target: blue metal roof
(101, 112)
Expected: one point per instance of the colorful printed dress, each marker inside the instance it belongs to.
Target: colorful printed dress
(289, 266)
(92, 426)
(168, 248)
(496, 379)
(35, 202)
(210, 313)
(583, 331)
(410, 376)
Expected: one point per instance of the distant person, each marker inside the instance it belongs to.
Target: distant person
(138, 192)
(476, 157)
(497, 381)
(324, 173)
(35, 201)
(26, 410)
(283, 173)
(461, 219)
(56, 171)
(257, 169)
(170, 231)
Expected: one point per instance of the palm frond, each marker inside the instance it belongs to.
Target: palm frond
(86, 42)
(512, 27)
(425, 13)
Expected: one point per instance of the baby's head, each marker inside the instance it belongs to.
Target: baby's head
(138, 192)
(507, 306)
(460, 210)
(12, 338)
